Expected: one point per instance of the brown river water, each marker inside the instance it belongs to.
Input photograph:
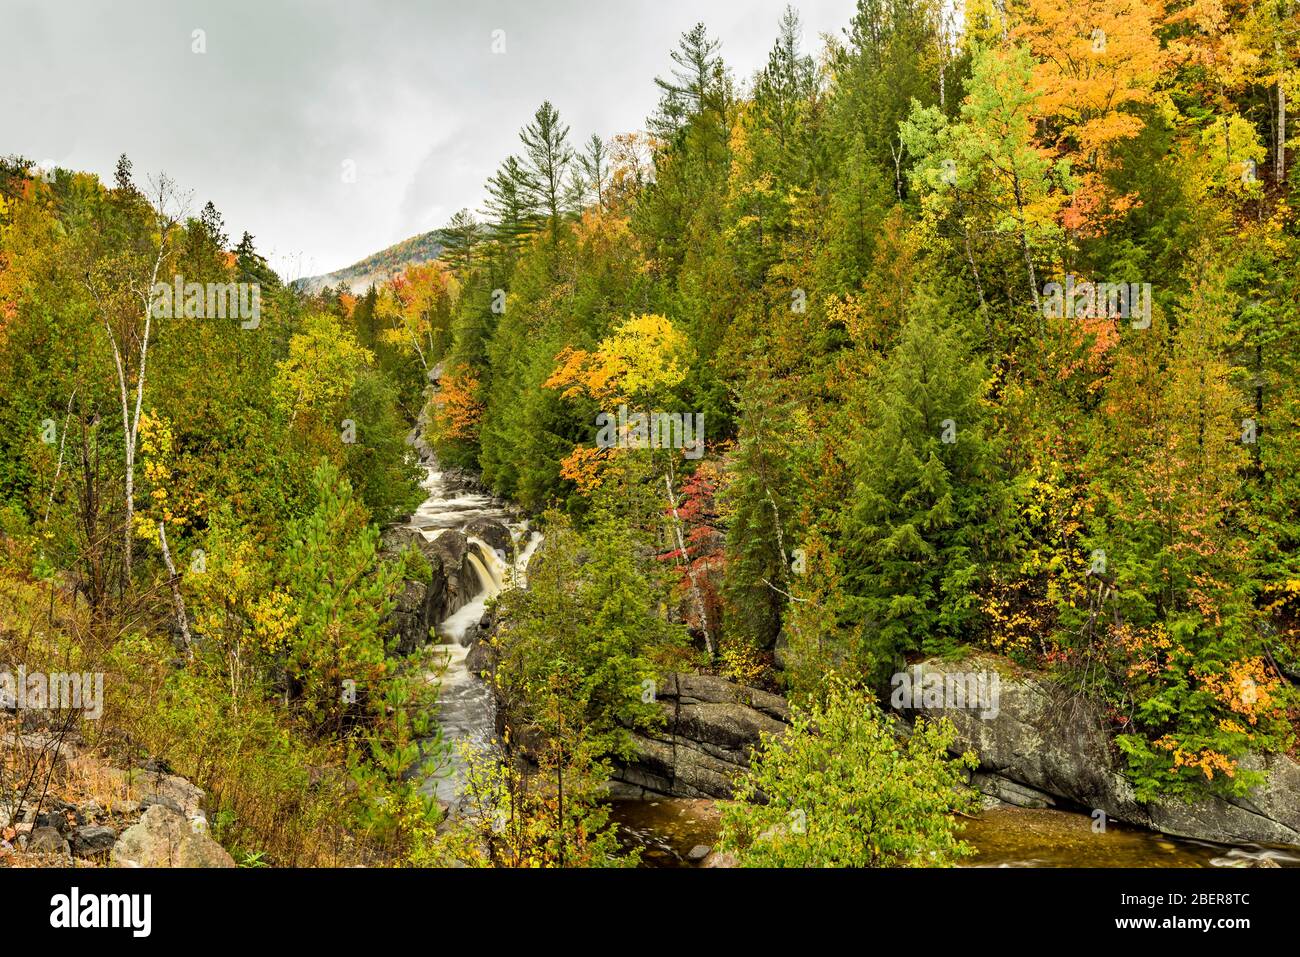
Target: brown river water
(667, 831)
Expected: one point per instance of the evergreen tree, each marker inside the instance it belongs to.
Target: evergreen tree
(342, 593)
(512, 205)
(924, 510)
(461, 239)
(588, 622)
(122, 176)
(762, 502)
(549, 158)
(692, 86)
(590, 181)
(252, 265)
(892, 58)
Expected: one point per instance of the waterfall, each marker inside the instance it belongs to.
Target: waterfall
(520, 570)
(466, 707)
(491, 585)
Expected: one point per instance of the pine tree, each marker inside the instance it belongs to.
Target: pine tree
(761, 504)
(122, 176)
(589, 183)
(925, 506)
(253, 266)
(342, 593)
(461, 239)
(213, 225)
(691, 87)
(549, 158)
(892, 59)
(512, 205)
(787, 83)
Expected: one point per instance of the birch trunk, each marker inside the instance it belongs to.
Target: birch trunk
(178, 602)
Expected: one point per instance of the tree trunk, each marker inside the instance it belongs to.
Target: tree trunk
(1024, 244)
(178, 602)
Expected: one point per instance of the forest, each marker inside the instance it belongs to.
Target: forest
(958, 336)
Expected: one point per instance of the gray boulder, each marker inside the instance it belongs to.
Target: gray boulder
(452, 584)
(492, 533)
(91, 840)
(164, 838)
(455, 583)
(395, 538)
(46, 840)
(1268, 815)
(481, 659)
(1004, 790)
(157, 788)
(719, 859)
(411, 617)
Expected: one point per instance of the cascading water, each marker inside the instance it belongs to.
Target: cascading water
(490, 586)
(465, 706)
(489, 562)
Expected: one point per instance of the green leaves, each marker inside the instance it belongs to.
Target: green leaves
(587, 624)
(840, 789)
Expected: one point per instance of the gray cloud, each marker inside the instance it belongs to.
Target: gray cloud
(287, 92)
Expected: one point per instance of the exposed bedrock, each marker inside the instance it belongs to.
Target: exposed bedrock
(1042, 744)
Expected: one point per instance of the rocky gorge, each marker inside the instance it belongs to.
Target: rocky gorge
(1042, 751)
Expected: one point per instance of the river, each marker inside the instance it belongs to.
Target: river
(465, 706)
(666, 831)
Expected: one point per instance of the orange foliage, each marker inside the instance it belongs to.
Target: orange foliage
(1207, 760)
(583, 467)
(457, 409)
(579, 372)
(1245, 688)
(1096, 59)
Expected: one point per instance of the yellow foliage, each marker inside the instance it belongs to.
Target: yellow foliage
(1246, 688)
(324, 361)
(156, 444)
(1232, 144)
(647, 353)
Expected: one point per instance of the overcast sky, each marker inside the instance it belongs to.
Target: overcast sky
(288, 91)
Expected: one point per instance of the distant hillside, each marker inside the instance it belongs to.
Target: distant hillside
(379, 266)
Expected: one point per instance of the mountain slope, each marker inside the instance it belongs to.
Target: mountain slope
(379, 266)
